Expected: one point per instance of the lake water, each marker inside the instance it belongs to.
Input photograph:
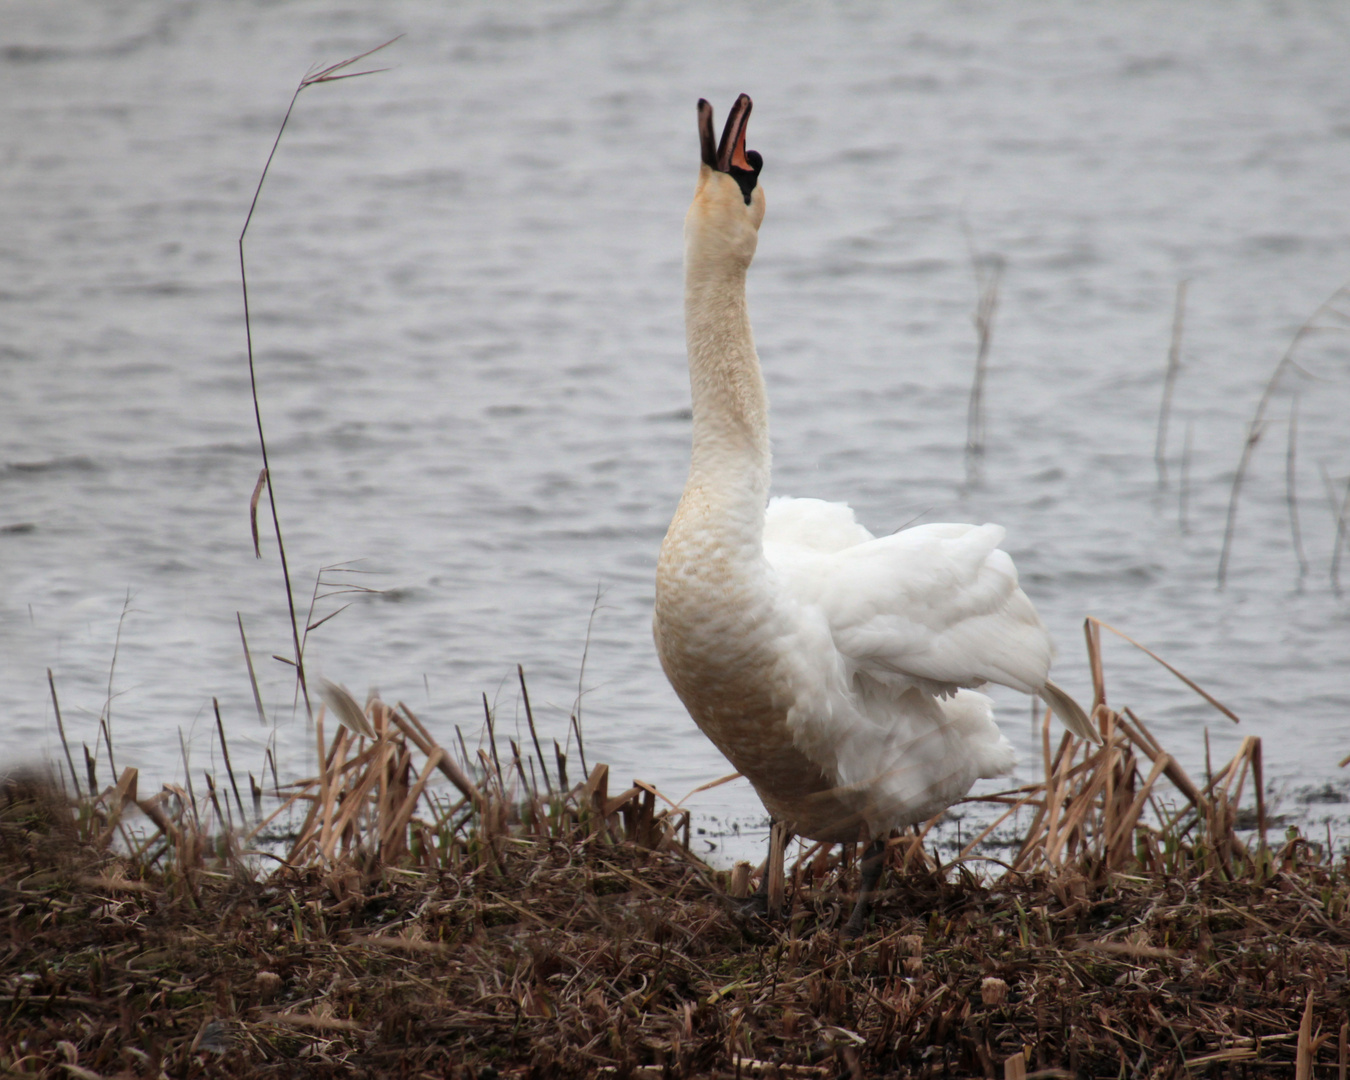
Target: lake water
(466, 285)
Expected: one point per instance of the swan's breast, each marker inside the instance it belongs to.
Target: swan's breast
(724, 647)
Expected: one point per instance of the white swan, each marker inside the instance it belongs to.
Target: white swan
(831, 667)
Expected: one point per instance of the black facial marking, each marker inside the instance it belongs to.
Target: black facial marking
(747, 178)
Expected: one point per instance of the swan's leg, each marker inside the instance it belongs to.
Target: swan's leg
(758, 902)
(873, 862)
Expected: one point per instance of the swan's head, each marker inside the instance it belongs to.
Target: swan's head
(729, 203)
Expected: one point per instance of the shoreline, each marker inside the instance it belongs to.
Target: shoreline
(544, 927)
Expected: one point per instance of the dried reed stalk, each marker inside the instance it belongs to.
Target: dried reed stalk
(371, 798)
(331, 73)
(1092, 808)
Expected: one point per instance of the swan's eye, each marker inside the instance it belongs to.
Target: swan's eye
(747, 178)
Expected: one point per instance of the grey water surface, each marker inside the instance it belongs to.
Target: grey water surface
(466, 283)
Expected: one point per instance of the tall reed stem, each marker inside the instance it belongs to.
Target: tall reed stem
(328, 74)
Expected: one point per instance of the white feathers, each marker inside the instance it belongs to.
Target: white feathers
(937, 605)
(811, 525)
(880, 637)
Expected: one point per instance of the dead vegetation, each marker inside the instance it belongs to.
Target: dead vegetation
(429, 913)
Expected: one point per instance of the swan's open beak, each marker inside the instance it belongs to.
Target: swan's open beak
(729, 155)
(731, 150)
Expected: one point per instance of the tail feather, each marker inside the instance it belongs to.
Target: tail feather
(1070, 713)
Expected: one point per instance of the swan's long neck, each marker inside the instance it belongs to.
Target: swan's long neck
(729, 473)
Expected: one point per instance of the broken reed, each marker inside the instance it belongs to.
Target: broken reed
(363, 806)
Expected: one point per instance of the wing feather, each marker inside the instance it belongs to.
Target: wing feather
(936, 605)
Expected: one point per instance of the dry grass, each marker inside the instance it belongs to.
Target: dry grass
(538, 927)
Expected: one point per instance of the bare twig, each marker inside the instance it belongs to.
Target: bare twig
(270, 760)
(1169, 382)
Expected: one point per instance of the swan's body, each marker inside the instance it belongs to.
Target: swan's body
(832, 668)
